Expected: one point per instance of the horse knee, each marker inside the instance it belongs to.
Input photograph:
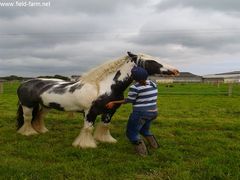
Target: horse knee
(106, 118)
(88, 124)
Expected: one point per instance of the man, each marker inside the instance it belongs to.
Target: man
(143, 96)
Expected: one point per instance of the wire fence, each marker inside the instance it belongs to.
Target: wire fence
(199, 89)
(10, 87)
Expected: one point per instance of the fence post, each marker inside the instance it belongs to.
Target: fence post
(1, 87)
(230, 89)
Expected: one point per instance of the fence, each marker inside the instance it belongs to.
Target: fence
(231, 89)
(200, 89)
(1, 87)
(7, 87)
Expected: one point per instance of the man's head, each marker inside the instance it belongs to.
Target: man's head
(139, 74)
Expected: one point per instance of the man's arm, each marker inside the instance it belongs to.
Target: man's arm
(112, 103)
(131, 98)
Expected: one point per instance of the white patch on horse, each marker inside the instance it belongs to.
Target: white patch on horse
(52, 79)
(99, 73)
(160, 61)
(105, 84)
(125, 70)
(77, 101)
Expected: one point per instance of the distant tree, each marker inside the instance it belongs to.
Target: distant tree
(12, 78)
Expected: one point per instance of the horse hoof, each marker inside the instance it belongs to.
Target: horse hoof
(106, 139)
(85, 139)
(84, 146)
(27, 131)
(43, 130)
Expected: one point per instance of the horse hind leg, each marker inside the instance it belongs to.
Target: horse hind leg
(38, 122)
(27, 129)
(102, 132)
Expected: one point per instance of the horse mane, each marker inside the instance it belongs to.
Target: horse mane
(96, 74)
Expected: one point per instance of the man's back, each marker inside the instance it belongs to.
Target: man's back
(143, 97)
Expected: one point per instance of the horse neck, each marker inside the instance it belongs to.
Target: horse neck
(101, 72)
(122, 78)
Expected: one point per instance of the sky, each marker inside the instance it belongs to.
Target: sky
(69, 37)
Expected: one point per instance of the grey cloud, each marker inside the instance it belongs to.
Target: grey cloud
(33, 71)
(50, 26)
(65, 59)
(43, 37)
(95, 7)
(70, 37)
(32, 66)
(210, 41)
(220, 5)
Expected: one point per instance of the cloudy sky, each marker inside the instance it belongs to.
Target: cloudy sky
(71, 36)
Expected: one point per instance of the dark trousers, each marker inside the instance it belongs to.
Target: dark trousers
(139, 123)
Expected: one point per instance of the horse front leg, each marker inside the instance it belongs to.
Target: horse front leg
(102, 132)
(85, 138)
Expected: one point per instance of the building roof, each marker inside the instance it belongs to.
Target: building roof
(188, 74)
(230, 73)
(182, 74)
(233, 74)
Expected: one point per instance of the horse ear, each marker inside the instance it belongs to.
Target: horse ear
(132, 56)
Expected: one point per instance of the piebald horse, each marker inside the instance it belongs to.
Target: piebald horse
(88, 95)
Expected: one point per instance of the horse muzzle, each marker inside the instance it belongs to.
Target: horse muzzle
(175, 72)
(171, 72)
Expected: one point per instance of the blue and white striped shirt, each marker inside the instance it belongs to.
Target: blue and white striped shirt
(143, 97)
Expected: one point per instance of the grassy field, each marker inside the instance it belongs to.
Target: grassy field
(198, 128)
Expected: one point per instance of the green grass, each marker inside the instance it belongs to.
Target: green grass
(198, 128)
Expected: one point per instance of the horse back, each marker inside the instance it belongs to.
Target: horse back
(29, 91)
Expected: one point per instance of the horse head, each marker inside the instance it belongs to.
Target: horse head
(153, 65)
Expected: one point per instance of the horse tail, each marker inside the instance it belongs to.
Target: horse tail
(20, 118)
(35, 112)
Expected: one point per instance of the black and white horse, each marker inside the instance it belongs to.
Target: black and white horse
(88, 95)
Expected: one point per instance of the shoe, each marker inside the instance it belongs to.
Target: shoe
(152, 141)
(141, 148)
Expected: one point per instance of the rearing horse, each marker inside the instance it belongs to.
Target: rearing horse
(88, 95)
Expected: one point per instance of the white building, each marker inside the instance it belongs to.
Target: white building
(230, 77)
(184, 77)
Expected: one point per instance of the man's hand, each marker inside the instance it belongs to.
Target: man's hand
(110, 105)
